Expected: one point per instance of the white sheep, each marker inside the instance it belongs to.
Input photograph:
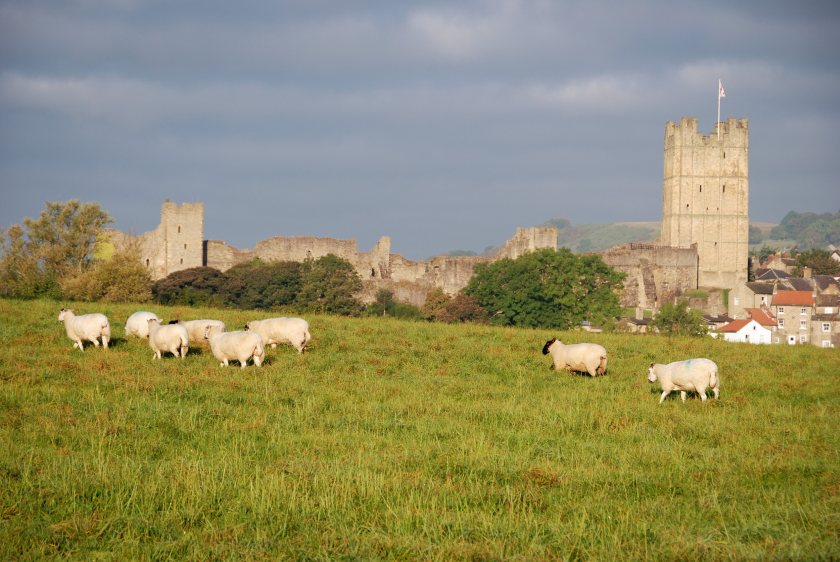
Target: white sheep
(691, 375)
(197, 328)
(87, 327)
(584, 357)
(171, 338)
(239, 345)
(294, 331)
(138, 324)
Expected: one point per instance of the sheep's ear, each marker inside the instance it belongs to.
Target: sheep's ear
(173, 321)
(651, 365)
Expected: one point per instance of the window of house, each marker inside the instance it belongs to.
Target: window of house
(803, 324)
(829, 310)
(781, 322)
(826, 343)
(803, 311)
(826, 327)
(763, 299)
(803, 338)
(781, 310)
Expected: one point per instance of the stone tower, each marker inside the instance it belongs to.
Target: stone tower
(182, 230)
(706, 196)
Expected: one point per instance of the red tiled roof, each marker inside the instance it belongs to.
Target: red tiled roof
(735, 325)
(793, 298)
(760, 316)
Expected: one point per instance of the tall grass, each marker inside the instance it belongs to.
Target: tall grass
(402, 440)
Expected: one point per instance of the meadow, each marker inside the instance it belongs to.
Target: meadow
(394, 440)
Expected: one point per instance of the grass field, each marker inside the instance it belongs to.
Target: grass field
(409, 441)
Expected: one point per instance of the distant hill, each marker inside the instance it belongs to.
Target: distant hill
(581, 238)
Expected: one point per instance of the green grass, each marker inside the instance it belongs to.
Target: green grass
(409, 441)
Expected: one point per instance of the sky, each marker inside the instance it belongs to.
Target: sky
(441, 124)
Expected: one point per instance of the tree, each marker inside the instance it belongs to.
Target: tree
(547, 288)
(196, 286)
(121, 278)
(328, 285)
(819, 261)
(678, 319)
(59, 244)
(257, 284)
(385, 305)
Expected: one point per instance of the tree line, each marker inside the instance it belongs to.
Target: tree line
(55, 256)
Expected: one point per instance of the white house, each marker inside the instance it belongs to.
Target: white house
(746, 331)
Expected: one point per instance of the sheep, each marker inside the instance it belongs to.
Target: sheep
(171, 338)
(294, 331)
(691, 375)
(88, 327)
(197, 328)
(583, 357)
(239, 345)
(138, 324)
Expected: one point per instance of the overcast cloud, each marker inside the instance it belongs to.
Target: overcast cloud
(444, 125)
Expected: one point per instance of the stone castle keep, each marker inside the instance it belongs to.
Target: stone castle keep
(703, 241)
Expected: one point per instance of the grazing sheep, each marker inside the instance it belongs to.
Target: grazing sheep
(138, 324)
(239, 345)
(87, 327)
(691, 375)
(171, 338)
(584, 357)
(294, 331)
(197, 328)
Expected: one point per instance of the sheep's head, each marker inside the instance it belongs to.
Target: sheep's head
(651, 373)
(153, 321)
(548, 345)
(174, 321)
(63, 313)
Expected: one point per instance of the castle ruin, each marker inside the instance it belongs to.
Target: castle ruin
(178, 243)
(703, 241)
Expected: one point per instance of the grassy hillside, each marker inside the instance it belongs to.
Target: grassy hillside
(394, 440)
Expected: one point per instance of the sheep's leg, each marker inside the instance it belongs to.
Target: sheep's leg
(105, 342)
(682, 395)
(257, 361)
(703, 394)
(716, 390)
(664, 394)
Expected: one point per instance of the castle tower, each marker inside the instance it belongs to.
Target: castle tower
(706, 198)
(182, 229)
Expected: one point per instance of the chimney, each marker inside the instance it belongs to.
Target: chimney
(807, 272)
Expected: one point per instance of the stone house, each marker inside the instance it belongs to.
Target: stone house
(825, 323)
(793, 311)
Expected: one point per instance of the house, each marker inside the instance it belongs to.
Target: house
(793, 311)
(746, 331)
(825, 323)
(639, 325)
(757, 329)
(716, 322)
(783, 262)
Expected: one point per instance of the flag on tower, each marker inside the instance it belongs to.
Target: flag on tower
(721, 93)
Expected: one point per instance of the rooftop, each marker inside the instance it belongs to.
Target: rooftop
(793, 298)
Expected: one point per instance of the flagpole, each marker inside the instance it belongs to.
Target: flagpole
(718, 113)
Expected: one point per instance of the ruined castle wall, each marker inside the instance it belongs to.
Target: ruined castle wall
(706, 197)
(654, 273)
(527, 240)
(222, 256)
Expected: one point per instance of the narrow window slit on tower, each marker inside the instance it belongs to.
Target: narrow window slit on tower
(179, 229)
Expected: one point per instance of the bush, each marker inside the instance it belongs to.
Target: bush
(196, 286)
(547, 288)
(261, 285)
(328, 285)
(385, 305)
(678, 319)
(119, 279)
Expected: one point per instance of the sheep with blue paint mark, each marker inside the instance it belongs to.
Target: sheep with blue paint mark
(691, 375)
